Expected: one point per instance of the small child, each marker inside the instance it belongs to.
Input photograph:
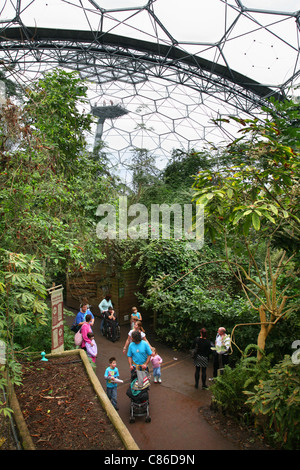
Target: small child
(135, 316)
(110, 375)
(91, 348)
(156, 362)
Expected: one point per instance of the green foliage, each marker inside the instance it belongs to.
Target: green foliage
(173, 184)
(144, 171)
(228, 389)
(22, 302)
(36, 338)
(50, 185)
(275, 402)
(259, 188)
(53, 110)
(188, 290)
(183, 167)
(253, 203)
(281, 337)
(23, 296)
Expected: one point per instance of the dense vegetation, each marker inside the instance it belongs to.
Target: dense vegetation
(50, 188)
(245, 277)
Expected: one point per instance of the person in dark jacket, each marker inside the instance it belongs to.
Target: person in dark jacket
(202, 346)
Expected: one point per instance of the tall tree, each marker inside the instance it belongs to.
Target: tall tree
(255, 203)
(144, 171)
(50, 185)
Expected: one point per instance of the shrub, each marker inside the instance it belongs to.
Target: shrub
(228, 388)
(275, 402)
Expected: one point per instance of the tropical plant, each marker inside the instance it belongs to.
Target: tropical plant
(228, 389)
(22, 302)
(186, 290)
(254, 203)
(144, 171)
(275, 402)
(50, 184)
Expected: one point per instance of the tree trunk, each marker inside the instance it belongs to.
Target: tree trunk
(265, 329)
(261, 340)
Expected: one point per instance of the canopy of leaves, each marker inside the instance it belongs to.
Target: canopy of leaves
(259, 187)
(252, 203)
(50, 184)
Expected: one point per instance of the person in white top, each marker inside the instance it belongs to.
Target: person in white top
(222, 345)
(137, 327)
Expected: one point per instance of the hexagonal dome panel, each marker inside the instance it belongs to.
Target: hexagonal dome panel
(173, 66)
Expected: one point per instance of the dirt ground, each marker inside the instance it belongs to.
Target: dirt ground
(244, 437)
(61, 409)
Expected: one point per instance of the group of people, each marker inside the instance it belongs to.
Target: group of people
(139, 351)
(202, 349)
(83, 322)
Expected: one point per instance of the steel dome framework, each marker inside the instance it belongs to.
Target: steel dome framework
(172, 65)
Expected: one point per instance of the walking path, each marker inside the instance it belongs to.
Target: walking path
(176, 423)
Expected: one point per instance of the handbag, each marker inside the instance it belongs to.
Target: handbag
(194, 353)
(75, 327)
(78, 338)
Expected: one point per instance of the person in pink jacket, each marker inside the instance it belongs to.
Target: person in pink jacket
(85, 329)
(156, 362)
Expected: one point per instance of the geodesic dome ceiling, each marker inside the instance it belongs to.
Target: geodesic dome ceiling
(171, 66)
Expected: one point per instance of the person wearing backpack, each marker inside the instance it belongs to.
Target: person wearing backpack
(201, 346)
(85, 329)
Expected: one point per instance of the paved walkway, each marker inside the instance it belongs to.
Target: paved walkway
(176, 423)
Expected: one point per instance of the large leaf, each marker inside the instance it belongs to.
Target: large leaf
(256, 221)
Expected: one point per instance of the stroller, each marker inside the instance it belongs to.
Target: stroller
(111, 330)
(139, 397)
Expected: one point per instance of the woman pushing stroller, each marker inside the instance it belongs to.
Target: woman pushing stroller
(139, 353)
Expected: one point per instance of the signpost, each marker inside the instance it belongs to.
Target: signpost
(56, 293)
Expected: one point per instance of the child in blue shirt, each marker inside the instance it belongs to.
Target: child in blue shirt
(110, 375)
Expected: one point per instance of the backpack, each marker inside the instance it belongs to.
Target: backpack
(78, 338)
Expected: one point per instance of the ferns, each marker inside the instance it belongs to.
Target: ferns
(228, 389)
(263, 394)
